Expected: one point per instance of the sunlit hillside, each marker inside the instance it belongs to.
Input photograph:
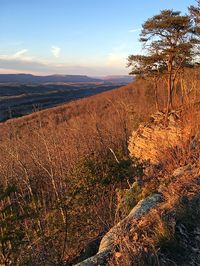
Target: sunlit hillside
(106, 172)
(62, 167)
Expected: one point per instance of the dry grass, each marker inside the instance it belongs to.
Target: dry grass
(45, 155)
(155, 239)
(167, 235)
(49, 157)
(187, 152)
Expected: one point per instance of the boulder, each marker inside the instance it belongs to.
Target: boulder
(143, 206)
(110, 240)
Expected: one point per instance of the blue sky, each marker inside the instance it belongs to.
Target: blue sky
(91, 37)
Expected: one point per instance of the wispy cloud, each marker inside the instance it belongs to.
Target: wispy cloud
(134, 30)
(19, 55)
(37, 67)
(23, 62)
(55, 51)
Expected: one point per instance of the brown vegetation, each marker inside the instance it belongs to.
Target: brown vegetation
(60, 168)
(169, 234)
(63, 171)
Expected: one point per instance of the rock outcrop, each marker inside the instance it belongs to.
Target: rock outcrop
(149, 141)
(110, 240)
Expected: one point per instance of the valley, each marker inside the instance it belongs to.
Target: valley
(18, 100)
(22, 94)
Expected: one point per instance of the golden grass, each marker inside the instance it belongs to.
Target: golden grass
(157, 238)
(39, 154)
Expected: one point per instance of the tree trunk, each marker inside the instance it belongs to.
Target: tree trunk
(169, 99)
(156, 93)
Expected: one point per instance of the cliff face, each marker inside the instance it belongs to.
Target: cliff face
(149, 141)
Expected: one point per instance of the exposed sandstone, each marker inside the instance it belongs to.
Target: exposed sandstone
(150, 140)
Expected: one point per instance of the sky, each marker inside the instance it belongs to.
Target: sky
(87, 37)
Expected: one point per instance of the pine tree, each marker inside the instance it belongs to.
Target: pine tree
(195, 15)
(169, 44)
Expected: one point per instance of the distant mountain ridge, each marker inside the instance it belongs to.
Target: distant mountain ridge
(32, 79)
(119, 79)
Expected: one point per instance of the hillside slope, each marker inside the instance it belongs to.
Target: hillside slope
(66, 178)
(59, 170)
(163, 227)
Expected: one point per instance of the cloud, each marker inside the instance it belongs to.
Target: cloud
(134, 30)
(21, 53)
(22, 62)
(55, 51)
(39, 68)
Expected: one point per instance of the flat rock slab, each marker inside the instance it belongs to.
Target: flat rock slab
(109, 241)
(143, 206)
